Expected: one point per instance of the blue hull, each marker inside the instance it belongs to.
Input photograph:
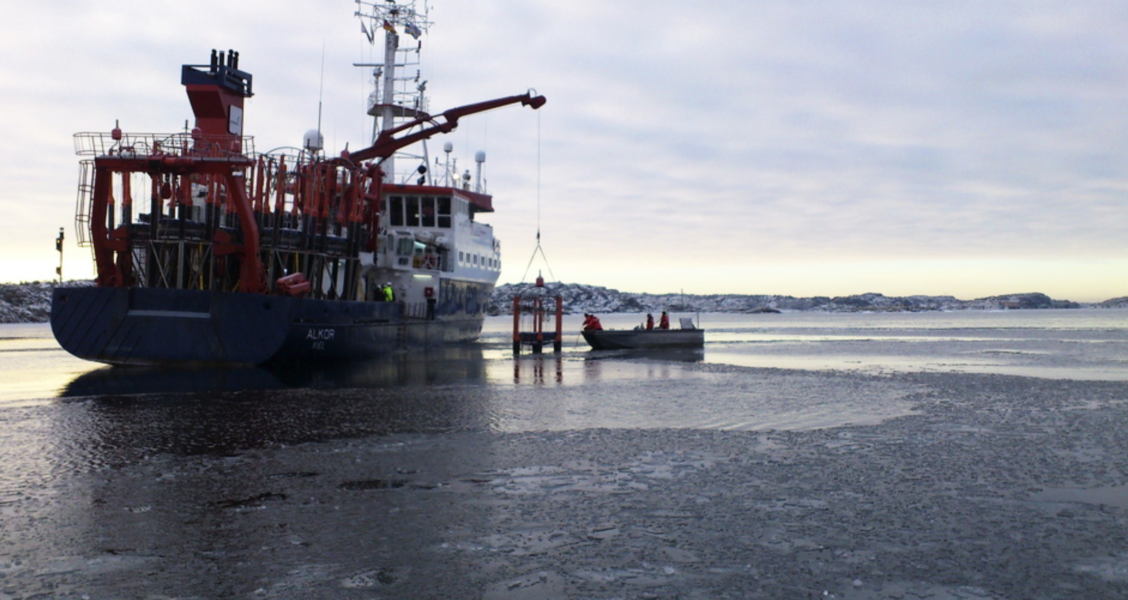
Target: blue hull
(153, 326)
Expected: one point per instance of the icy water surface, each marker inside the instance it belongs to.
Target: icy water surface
(800, 455)
(1057, 344)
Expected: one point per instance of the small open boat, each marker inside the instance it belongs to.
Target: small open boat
(688, 336)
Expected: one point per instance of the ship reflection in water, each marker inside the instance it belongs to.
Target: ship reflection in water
(115, 415)
(454, 364)
(655, 354)
(550, 367)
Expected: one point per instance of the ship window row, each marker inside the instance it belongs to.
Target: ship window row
(420, 211)
(476, 260)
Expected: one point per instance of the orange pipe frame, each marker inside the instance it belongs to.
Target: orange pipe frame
(260, 201)
(328, 186)
(559, 319)
(108, 273)
(252, 278)
(280, 186)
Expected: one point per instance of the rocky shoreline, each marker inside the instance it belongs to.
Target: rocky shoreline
(31, 302)
(26, 302)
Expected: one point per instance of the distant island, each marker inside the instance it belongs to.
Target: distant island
(594, 299)
(31, 302)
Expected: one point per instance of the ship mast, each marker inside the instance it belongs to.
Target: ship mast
(396, 98)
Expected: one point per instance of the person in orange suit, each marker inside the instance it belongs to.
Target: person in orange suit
(591, 322)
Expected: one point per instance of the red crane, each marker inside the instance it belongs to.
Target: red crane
(387, 144)
(213, 153)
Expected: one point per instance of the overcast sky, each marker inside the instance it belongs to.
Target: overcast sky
(811, 147)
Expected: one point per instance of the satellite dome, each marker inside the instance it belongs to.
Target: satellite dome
(313, 141)
(480, 156)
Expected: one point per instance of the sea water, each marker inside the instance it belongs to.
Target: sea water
(818, 449)
(486, 387)
(1088, 344)
(1085, 344)
(1058, 344)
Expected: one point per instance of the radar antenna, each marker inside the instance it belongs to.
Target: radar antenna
(396, 97)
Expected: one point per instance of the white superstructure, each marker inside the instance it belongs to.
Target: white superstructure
(429, 232)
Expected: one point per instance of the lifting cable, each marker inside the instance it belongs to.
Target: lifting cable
(538, 248)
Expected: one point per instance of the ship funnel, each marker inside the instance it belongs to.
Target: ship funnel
(216, 91)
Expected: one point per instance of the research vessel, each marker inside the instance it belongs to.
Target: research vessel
(208, 252)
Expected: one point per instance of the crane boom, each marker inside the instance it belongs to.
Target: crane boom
(387, 144)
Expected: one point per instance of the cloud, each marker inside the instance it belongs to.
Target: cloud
(765, 132)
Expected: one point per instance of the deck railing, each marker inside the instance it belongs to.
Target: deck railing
(99, 143)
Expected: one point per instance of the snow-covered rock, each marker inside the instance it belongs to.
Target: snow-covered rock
(579, 298)
(29, 302)
(1121, 302)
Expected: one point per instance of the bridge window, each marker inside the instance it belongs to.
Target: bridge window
(396, 211)
(412, 211)
(420, 211)
(427, 208)
(444, 212)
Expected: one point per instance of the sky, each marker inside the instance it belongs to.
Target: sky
(811, 147)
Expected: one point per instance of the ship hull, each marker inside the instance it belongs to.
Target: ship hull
(153, 326)
(612, 339)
